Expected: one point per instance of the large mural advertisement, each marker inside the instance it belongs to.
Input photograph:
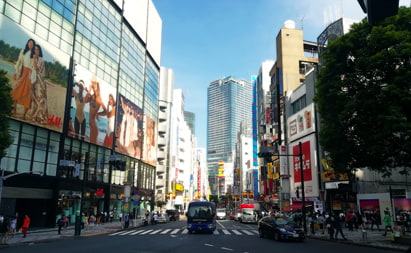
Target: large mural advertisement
(129, 130)
(38, 74)
(150, 137)
(93, 109)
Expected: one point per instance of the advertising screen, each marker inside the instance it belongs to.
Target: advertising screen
(93, 109)
(129, 128)
(38, 73)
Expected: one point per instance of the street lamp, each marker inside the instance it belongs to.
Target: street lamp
(3, 178)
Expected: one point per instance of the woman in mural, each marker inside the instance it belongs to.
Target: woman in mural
(22, 90)
(80, 119)
(95, 104)
(111, 113)
(38, 111)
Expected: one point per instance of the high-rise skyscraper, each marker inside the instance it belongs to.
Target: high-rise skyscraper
(228, 103)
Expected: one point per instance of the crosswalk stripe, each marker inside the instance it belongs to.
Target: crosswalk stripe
(247, 232)
(175, 231)
(183, 231)
(146, 231)
(155, 232)
(236, 232)
(226, 232)
(137, 232)
(165, 231)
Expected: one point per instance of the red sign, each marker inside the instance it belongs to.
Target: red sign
(307, 170)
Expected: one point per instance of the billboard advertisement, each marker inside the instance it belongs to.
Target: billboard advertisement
(301, 123)
(150, 137)
(38, 74)
(310, 166)
(129, 128)
(93, 108)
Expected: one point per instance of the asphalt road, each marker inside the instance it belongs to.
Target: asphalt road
(172, 237)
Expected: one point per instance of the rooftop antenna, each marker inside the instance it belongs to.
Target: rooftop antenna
(302, 22)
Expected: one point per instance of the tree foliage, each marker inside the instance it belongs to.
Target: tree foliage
(6, 105)
(364, 96)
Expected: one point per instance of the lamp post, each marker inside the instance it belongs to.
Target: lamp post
(3, 178)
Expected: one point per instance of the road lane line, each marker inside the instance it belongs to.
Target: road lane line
(224, 248)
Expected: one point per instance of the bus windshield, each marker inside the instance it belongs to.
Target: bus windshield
(200, 212)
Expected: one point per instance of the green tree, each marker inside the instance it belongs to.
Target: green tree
(6, 105)
(363, 95)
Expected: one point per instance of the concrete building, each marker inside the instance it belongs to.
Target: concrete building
(90, 127)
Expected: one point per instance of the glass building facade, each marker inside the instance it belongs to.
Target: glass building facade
(86, 108)
(229, 102)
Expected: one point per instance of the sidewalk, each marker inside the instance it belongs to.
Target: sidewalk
(373, 238)
(47, 234)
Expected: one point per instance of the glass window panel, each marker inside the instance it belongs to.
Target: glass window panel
(55, 27)
(8, 163)
(16, 3)
(38, 166)
(51, 170)
(23, 166)
(32, 2)
(43, 8)
(58, 7)
(57, 19)
(43, 20)
(29, 10)
(52, 157)
(69, 27)
(41, 31)
(54, 39)
(12, 13)
(39, 155)
(25, 153)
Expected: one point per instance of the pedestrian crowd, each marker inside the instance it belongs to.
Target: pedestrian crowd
(333, 224)
(8, 227)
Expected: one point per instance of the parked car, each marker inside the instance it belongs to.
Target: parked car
(162, 218)
(279, 228)
(173, 215)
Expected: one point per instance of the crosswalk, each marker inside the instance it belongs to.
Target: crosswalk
(182, 231)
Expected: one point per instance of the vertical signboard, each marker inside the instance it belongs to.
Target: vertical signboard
(150, 137)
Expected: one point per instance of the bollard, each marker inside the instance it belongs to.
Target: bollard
(364, 235)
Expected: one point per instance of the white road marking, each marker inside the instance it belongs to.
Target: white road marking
(146, 232)
(247, 232)
(216, 232)
(137, 232)
(209, 245)
(175, 231)
(226, 232)
(166, 231)
(185, 231)
(155, 232)
(226, 249)
(236, 232)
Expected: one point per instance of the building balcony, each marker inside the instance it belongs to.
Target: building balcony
(160, 168)
(161, 141)
(162, 115)
(162, 128)
(160, 182)
(161, 154)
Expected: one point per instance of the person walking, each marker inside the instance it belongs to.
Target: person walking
(13, 223)
(338, 227)
(26, 224)
(374, 220)
(4, 229)
(387, 222)
(329, 223)
(60, 224)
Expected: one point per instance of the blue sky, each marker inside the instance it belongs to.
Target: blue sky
(205, 40)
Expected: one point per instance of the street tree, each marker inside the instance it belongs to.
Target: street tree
(363, 93)
(6, 105)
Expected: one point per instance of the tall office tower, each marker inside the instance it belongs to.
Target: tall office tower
(190, 118)
(228, 103)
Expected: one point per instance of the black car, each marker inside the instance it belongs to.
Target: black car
(173, 215)
(279, 228)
